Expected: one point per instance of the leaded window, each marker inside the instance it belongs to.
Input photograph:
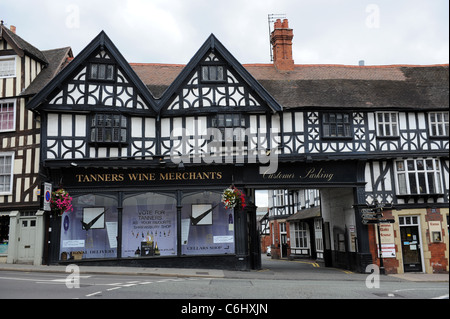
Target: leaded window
(213, 73)
(336, 125)
(109, 128)
(102, 71)
(232, 127)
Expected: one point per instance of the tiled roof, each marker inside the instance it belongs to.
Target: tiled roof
(57, 60)
(403, 86)
(24, 45)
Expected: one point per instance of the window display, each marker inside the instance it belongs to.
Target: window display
(149, 225)
(207, 226)
(90, 230)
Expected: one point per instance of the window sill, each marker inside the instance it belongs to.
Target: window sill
(416, 197)
(108, 144)
(388, 137)
(337, 138)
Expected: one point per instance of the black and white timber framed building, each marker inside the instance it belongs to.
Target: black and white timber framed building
(129, 143)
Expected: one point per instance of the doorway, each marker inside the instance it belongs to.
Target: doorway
(411, 246)
(283, 240)
(26, 239)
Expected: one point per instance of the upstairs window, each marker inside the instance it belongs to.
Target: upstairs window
(439, 124)
(109, 128)
(418, 176)
(213, 73)
(7, 115)
(231, 126)
(7, 67)
(336, 125)
(101, 71)
(6, 173)
(387, 124)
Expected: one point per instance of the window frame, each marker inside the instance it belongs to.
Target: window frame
(105, 79)
(3, 102)
(6, 58)
(327, 124)
(383, 125)
(209, 67)
(122, 127)
(11, 173)
(300, 231)
(436, 125)
(410, 176)
(225, 129)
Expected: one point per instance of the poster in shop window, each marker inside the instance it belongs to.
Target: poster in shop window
(149, 231)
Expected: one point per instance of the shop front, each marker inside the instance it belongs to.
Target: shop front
(171, 217)
(163, 217)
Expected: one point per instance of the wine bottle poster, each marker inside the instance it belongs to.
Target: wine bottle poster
(145, 225)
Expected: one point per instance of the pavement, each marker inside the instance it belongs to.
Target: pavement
(271, 269)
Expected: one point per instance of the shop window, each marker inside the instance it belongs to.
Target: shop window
(7, 115)
(6, 173)
(149, 225)
(90, 230)
(336, 125)
(109, 128)
(213, 236)
(418, 176)
(387, 124)
(100, 71)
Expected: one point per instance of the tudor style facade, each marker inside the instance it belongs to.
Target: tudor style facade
(135, 145)
(24, 70)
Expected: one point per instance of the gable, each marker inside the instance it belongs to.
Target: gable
(215, 81)
(98, 79)
(226, 90)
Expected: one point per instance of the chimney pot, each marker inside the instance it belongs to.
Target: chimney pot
(281, 39)
(13, 29)
(277, 24)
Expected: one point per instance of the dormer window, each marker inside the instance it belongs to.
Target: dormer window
(101, 71)
(213, 73)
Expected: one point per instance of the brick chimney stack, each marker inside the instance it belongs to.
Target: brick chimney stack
(13, 29)
(281, 39)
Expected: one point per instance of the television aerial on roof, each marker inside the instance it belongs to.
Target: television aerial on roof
(271, 18)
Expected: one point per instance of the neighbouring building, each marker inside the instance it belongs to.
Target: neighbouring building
(24, 70)
(146, 151)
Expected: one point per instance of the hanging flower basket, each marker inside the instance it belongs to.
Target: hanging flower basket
(61, 202)
(233, 197)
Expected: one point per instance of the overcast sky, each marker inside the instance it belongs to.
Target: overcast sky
(171, 31)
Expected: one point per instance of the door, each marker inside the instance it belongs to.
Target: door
(318, 235)
(412, 260)
(283, 240)
(26, 239)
